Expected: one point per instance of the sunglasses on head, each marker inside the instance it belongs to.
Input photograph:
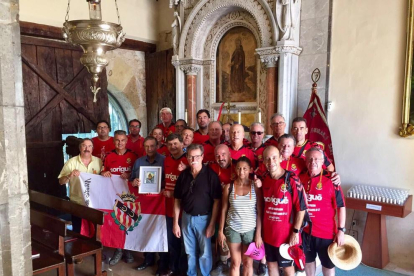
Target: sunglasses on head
(256, 132)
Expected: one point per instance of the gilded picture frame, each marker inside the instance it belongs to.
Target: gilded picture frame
(407, 124)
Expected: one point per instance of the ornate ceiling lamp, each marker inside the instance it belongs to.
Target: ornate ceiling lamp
(96, 37)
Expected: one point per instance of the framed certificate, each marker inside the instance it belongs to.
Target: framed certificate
(150, 180)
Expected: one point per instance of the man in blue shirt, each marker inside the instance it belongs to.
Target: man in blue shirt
(152, 158)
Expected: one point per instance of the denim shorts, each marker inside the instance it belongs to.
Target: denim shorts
(236, 237)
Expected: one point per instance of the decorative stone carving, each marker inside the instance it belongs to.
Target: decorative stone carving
(268, 56)
(190, 69)
(176, 32)
(288, 49)
(199, 21)
(287, 17)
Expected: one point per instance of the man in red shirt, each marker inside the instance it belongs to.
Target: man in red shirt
(226, 133)
(278, 125)
(174, 164)
(203, 119)
(135, 141)
(299, 131)
(237, 148)
(167, 125)
(284, 209)
(214, 134)
(103, 143)
(325, 199)
(119, 162)
(180, 125)
(289, 162)
(256, 138)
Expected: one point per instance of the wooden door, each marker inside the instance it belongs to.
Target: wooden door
(57, 100)
(160, 85)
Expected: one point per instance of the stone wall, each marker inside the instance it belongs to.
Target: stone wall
(126, 82)
(15, 249)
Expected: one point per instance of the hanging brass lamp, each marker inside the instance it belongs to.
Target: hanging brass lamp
(96, 37)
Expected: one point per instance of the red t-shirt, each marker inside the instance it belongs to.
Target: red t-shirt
(225, 175)
(323, 200)
(306, 146)
(294, 164)
(199, 138)
(278, 208)
(167, 130)
(244, 151)
(261, 168)
(118, 164)
(163, 150)
(137, 147)
(171, 176)
(272, 141)
(208, 152)
(102, 148)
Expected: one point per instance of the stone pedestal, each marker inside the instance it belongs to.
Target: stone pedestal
(15, 249)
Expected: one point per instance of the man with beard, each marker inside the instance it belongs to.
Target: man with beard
(325, 201)
(284, 210)
(223, 167)
(167, 126)
(103, 143)
(119, 162)
(84, 162)
(278, 125)
(299, 131)
(135, 141)
(203, 119)
(173, 165)
(214, 134)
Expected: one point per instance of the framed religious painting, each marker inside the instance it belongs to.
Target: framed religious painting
(407, 126)
(150, 177)
(236, 68)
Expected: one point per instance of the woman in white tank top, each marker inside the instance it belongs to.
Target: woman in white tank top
(240, 222)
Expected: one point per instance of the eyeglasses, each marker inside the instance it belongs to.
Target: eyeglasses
(256, 132)
(279, 123)
(134, 127)
(194, 157)
(192, 185)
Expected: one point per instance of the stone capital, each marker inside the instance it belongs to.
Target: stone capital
(268, 56)
(190, 69)
(288, 49)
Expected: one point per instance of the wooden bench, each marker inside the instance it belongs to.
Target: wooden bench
(76, 246)
(48, 234)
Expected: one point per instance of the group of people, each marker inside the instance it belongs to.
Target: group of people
(219, 184)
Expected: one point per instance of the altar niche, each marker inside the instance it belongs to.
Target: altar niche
(236, 67)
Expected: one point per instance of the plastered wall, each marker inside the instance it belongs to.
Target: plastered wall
(367, 77)
(139, 17)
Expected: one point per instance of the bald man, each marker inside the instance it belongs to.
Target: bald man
(237, 148)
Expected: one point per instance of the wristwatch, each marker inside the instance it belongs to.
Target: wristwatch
(342, 229)
(295, 230)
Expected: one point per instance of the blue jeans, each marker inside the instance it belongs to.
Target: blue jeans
(197, 244)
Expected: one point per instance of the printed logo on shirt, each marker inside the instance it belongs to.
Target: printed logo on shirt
(120, 169)
(314, 197)
(276, 201)
(128, 160)
(293, 167)
(171, 177)
(283, 187)
(260, 157)
(319, 186)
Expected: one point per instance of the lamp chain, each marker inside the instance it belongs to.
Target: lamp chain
(67, 11)
(117, 12)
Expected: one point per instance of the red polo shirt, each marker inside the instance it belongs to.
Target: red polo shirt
(199, 138)
(243, 151)
(167, 130)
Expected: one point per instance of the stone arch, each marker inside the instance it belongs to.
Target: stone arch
(207, 12)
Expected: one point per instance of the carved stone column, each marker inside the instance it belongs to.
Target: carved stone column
(269, 59)
(288, 80)
(191, 72)
(15, 249)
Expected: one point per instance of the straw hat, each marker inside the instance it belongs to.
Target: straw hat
(346, 257)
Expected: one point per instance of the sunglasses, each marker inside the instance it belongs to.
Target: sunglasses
(256, 132)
